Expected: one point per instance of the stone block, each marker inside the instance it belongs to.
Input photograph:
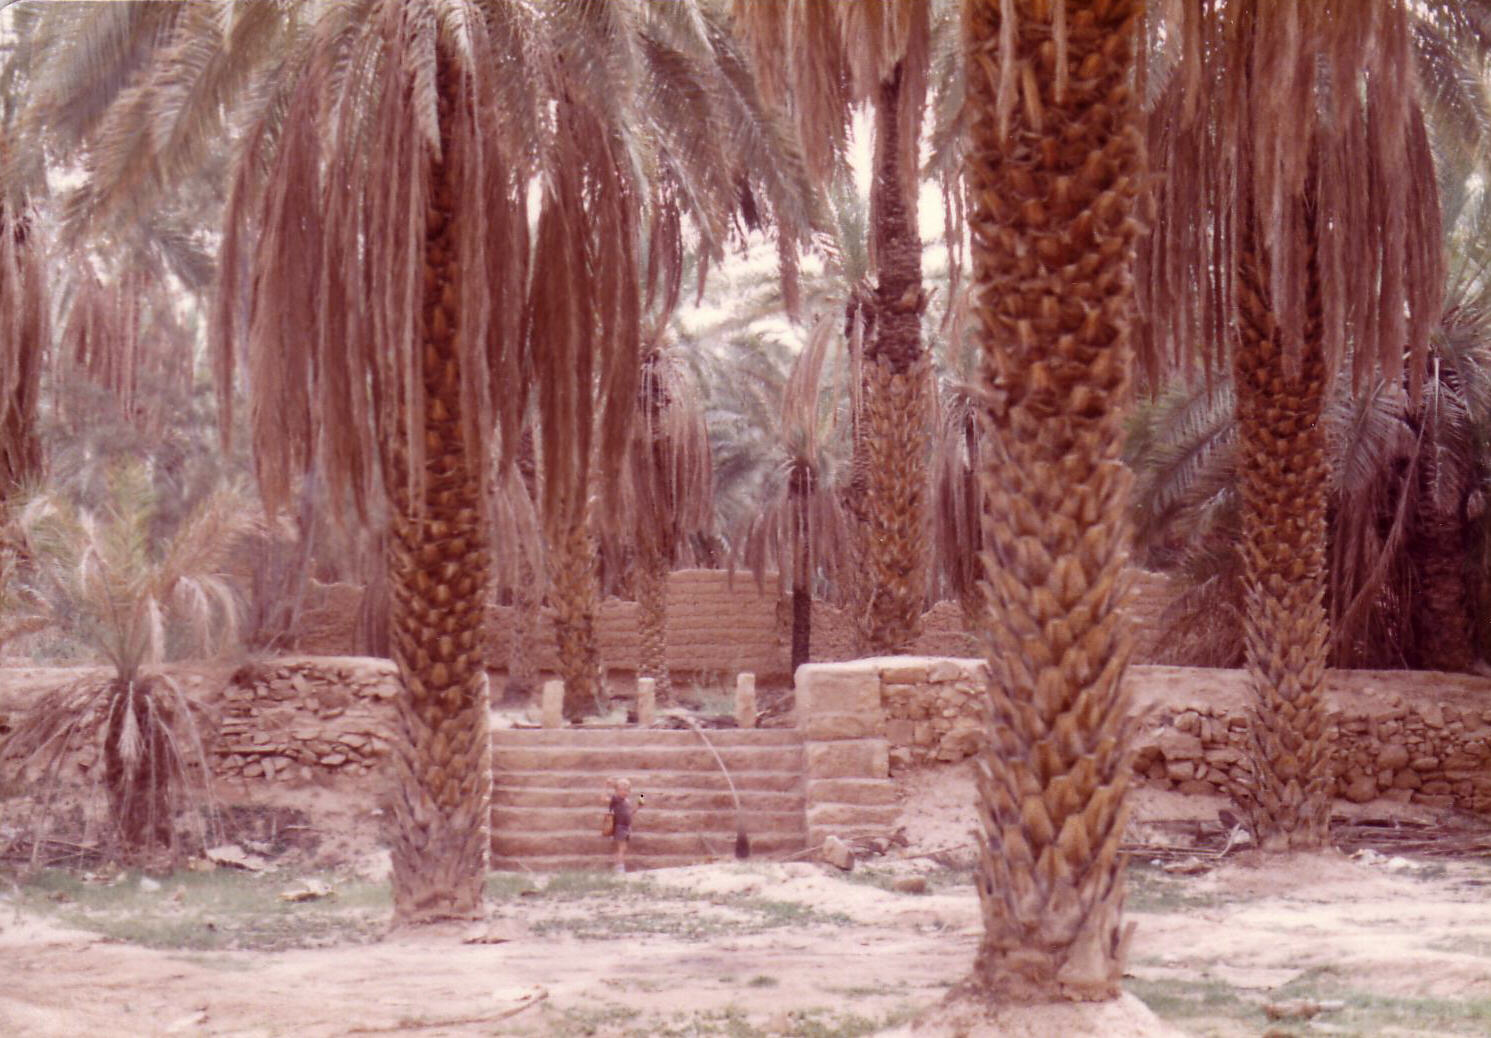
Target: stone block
(827, 727)
(904, 674)
(1196, 787)
(1407, 780)
(1180, 770)
(875, 792)
(900, 733)
(1178, 745)
(837, 853)
(964, 740)
(1392, 756)
(745, 700)
(851, 816)
(845, 693)
(1361, 789)
(553, 704)
(856, 758)
(1432, 714)
(1438, 801)
(1425, 763)
(646, 702)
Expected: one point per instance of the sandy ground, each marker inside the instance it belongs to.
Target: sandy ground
(853, 955)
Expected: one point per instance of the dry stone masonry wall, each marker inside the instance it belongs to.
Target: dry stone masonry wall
(295, 719)
(1400, 735)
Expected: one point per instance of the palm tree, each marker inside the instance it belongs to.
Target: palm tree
(842, 55)
(24, 338)
(1052, 165)
(670, 486)
(799, 527)
(1267, 253)
(129, 595)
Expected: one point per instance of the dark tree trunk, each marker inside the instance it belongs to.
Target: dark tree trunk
(137, 771)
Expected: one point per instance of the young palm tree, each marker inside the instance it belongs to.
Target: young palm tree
(799, 527)
(843, 55)
(127, 595)
(1053, 161)
(1266, 251)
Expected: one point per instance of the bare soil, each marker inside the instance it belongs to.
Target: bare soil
(1378, 944)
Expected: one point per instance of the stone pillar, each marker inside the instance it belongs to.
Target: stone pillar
(847, 756)
(553, 704)
(745, 699)
(646, 702)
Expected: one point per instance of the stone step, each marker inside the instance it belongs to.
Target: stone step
(659, 798)
(652, 780)
(565, 819)
(644, 846)
(614, 760)
(528, 864)
(613, 737)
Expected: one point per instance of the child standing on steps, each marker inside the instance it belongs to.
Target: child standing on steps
(622, 809)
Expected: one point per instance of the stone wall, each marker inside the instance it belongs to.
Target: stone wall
(846, 780)
(1408, 736)
(297, 718)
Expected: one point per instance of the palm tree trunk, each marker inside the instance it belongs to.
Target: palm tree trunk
(438, 575)
(652, 624)
(798, 488)
(137, 772)
(522, 641)
(893, 532)
(1283, 472)
(576, 603)
(1437, 549)
(1053, 249)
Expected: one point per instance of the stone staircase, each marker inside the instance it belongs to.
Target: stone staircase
(550, 792)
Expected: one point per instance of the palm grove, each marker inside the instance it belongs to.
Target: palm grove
(445, 251)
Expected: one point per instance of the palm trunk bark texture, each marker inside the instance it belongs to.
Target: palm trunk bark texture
(1284, 475)
(1054, 162)
(438, 575)
(576, 603)
(893, 527)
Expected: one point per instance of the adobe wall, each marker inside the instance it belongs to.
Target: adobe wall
(717, 623)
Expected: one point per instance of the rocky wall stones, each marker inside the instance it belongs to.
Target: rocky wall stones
(1401, 735)
(294, 719)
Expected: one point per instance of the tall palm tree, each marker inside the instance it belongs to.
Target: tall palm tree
(1267, 253)
(799, 527)
(842, 55)
(1053, 162)
(670, 486)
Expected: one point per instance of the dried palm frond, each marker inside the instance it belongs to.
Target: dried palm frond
(146, 736)
(1346, 83)
(104, 577)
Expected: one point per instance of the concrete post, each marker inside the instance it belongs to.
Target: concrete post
(553, 704)
(646, 702)
(745, 699)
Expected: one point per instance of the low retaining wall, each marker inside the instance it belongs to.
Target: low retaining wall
(1408, 736)
(296, 718)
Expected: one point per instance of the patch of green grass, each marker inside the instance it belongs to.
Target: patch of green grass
(1151, 889)
(939, 880)
(214, 911)
(1202, 1002)
(602, 906)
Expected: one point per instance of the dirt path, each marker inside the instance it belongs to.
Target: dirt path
(757, 948)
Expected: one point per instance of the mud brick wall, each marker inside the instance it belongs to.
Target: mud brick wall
(294, 719)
